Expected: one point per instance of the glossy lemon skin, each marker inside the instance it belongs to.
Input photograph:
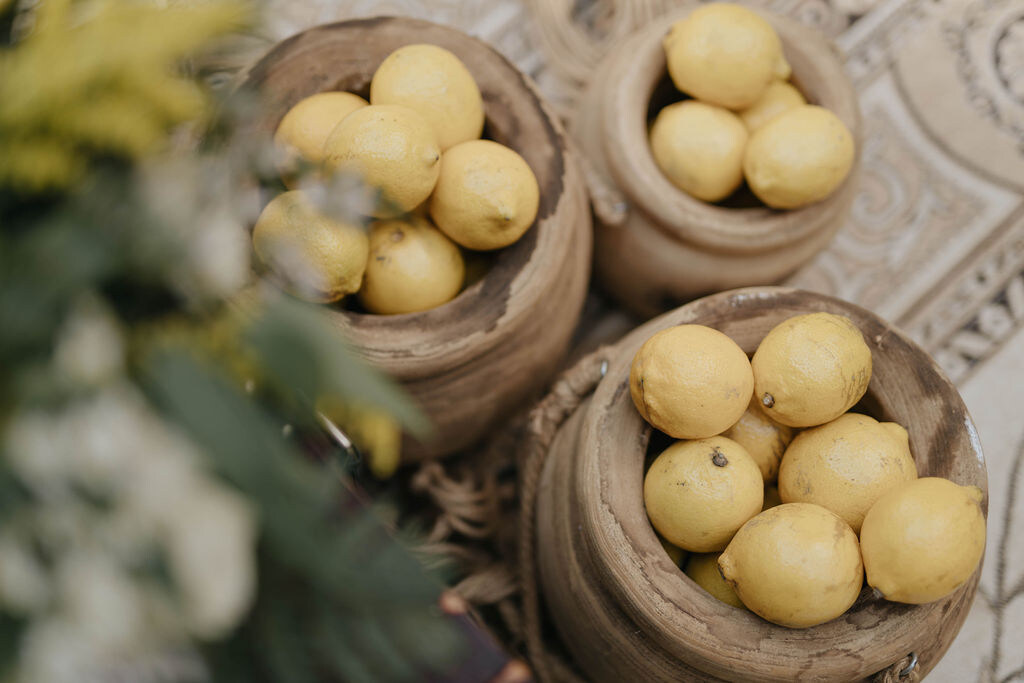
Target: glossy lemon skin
(690, 381)
(796, 565)
(764, 438)
(846, 465)
(304, 129)
(798, 157)
(698, 493)
(412, 267)
(699, 147)
(779, 98)
(437, 85)
(487, 196)
(923, 540)
(724, 54)
(810, 369)
(393, 149)
(315, 257)
(703, 569)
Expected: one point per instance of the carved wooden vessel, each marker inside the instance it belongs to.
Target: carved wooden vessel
(625, 612)
(655, 246)
(475, 360)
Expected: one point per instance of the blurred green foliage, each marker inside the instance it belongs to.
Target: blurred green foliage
(89, 95)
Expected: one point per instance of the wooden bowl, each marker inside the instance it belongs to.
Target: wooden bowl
(626, 612)
(655, 245)
(474, 360)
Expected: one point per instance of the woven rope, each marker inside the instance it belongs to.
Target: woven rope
(472, 526)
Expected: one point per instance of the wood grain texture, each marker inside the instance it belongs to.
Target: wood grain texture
(665, 247)
(626, 612)
(473, 361)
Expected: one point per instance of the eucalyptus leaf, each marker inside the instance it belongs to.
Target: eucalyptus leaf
(310, 521)
(301, 348)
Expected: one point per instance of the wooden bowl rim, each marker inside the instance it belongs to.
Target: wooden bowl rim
(681, 617)
(731, 230)
(419, 345)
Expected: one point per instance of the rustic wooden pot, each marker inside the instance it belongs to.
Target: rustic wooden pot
(626, 612)
(473, 361)
(655, 246)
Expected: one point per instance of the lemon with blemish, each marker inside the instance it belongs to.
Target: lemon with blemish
(314, 256)
(486, 197)
(779, 98)
(703, 569)
(691, 381)
(810, 369)
(799, 157)
(724, 54)
(764, 438)
(412, 267)
(846, 465)
(304, 129)
(698, 493)
(699, 147)
(437, 85)
(796, 565)
(393, 149)
(924, 539)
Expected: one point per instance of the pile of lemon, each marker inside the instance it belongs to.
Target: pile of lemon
(745, 120)
(792, 554)
(437, 186)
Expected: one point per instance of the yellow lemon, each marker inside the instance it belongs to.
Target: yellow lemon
(698, 493)
(923, 540)
(703, 569)
(700, 148)
(799, 157)
(315, 257)
(487, 195)
(796, 565)
(846, 465)
(724, 54)
(412, 267)
(439, 87)
(376, 433)
(764, 438)
(677, 555)
(393, 149)
(691, 381)
(780, 97)
(771, 497)
(304, 129)
(810, 369)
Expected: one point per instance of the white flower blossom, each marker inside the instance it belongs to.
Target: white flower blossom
(89, 348)
(210, 545)
(205, 209)
(102, 600)
(158, 497)
(23, 582)
(53, 651)
(35, 453)
(218, 255)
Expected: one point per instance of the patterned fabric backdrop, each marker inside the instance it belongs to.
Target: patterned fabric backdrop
(935, 242)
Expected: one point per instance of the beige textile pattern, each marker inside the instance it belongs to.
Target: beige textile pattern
(936, 238)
